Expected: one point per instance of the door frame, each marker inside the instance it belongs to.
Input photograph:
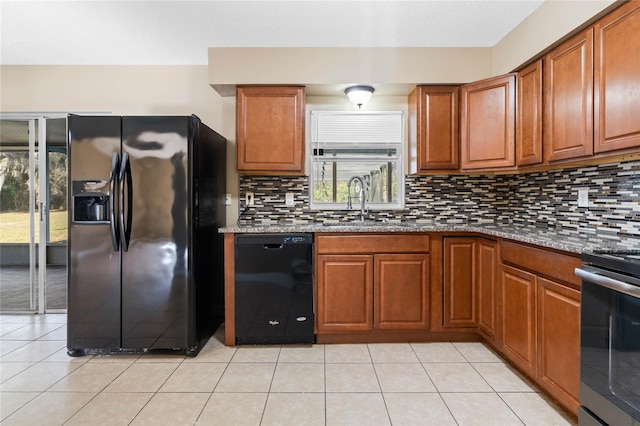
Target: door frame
(37, 299)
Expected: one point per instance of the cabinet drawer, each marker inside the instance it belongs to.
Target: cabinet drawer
(371, 243)
(543, 262)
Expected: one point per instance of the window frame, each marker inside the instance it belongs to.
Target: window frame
(398, 160)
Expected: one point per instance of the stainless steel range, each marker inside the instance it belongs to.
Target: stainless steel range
(610, 339)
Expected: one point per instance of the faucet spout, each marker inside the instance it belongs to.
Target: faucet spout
(363, 211)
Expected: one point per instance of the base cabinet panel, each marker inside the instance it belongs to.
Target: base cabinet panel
(344, 290)
(518, 317)
(459, 278)
(540, 318)
(559, 341)
(372, 284)
(401, 292)
(488, 282)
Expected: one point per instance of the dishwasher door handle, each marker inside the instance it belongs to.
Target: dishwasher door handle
(272, 246)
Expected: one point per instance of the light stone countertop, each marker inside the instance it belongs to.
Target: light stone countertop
(570, 241)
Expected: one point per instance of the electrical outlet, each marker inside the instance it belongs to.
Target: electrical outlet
(288, 199)
(227, 199)
(583, 197)
(249, 199)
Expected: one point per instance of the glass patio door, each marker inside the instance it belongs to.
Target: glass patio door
(53, 229)
(32, 214)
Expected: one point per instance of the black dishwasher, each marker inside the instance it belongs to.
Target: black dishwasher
(274, 288)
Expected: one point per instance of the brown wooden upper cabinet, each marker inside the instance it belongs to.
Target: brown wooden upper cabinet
(433, 128)
(270, 129)
(529, 122)
(617, 80)
(568, 102)
(487, 129)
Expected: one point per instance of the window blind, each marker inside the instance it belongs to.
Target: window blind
(346, 129)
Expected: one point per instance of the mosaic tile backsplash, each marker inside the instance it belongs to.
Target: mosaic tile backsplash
(539, 199)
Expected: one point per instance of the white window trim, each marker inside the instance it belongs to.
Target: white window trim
(399, 146)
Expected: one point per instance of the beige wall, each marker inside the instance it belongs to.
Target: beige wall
(346, 65)
(549, 23)
(394, 71)
(122, 90)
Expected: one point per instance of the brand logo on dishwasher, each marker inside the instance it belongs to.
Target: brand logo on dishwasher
(294, 240)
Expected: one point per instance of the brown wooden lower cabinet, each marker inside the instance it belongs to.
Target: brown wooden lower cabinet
(459, 281)
(540, 311)
(470, 281)
(518, 318)
(344, 293)
(524, 300)
(401, 292)
(376, 291)
(558, 320)
(488, 288)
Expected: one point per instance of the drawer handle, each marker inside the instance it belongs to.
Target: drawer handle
(272, 246)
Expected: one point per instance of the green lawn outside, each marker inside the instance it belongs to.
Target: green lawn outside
(14, 227)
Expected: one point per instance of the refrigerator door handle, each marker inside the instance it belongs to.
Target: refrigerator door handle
(125, 229)
(113, 184)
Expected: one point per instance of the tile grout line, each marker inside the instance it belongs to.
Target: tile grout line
(157, 390)
(375, 371)
(214, 388)
(324, 369)
(273, 375)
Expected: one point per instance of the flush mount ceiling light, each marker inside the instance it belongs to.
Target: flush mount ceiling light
(359, 94)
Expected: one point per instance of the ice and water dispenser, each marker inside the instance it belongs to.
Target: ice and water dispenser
(91, 201)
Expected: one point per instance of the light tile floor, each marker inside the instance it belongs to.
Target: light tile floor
(359, 384)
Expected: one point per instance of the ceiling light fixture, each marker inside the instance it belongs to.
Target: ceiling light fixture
(359, 94)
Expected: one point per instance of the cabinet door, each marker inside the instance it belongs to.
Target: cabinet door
(568, 98)
(401, 292)
(270, 129)
(459, 282)
(617, 80)
(488, 281)
(344, 293)
(518, 317)
(488, 126)
(433, 128)
(559, 341)
(529, 132)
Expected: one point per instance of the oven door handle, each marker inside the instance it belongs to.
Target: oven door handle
(610, 283)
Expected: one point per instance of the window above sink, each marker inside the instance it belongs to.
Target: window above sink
(347, 145)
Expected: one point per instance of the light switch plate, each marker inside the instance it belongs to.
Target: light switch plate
(583, 197)
(227, 199)
(289, 198)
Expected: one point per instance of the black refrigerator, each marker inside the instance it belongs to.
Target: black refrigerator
(145, 259)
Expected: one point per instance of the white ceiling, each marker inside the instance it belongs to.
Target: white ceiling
(179, 32)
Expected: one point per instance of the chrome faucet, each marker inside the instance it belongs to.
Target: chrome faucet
(362, 195)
